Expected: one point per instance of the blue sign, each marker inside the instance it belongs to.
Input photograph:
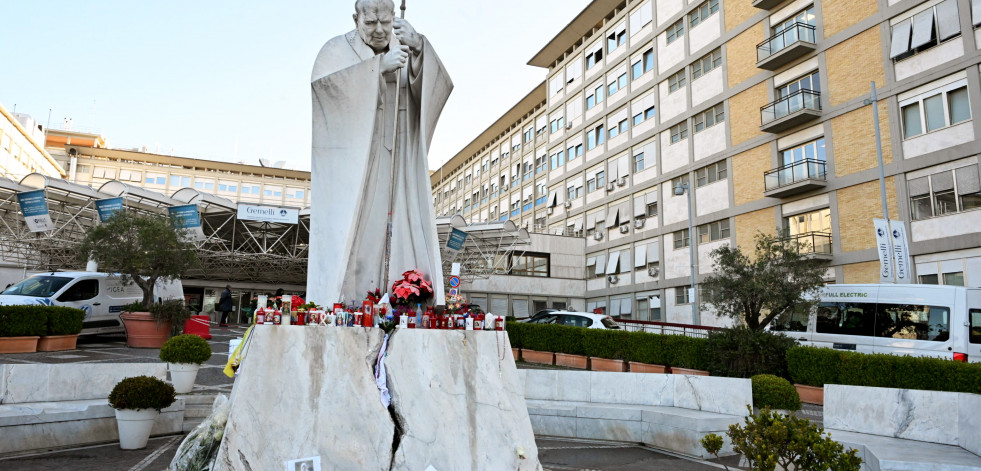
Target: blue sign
(186, 219)
(454, 281)
(456, 240)
(107, 207)
(34, 207)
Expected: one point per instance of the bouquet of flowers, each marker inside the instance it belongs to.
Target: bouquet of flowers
(411, 289)
(374, 296)
(456, 304)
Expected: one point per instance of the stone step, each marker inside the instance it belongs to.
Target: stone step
(196, 412)
(190, 423)
(189, 399)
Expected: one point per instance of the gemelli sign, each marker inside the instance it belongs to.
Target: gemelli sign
(34, 206)
(251, 212)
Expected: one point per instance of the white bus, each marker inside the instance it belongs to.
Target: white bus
(917, 320)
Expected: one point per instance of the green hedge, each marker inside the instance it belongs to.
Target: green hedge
(23, 321)
(668, 350)
(774, 391)
(819, 366)
(64, 320)
(743, 353)
(187, 349)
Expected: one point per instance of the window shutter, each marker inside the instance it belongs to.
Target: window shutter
(976, 12)
(499, 305)
(600, 264)
(553, 199)
(614, 307)
(613, 263)
(640, 206)
(900, 39)
(949, 24)
(600, 216)
(625, 305)
(591, 261)
(942, 181)
(590, 221)
(624, 209)
(654, 252)
(541, 122)
(577, 225)
(967, 180)
(519, 307)
(640, 255)
(922, 29)
(611, 171)
(919, 186)
(614, 219)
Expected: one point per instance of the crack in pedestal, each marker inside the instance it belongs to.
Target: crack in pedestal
(397, 418)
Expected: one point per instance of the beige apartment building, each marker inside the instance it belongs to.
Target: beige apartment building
(22, 149)
(762, 108)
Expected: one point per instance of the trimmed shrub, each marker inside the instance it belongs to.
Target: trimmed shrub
(187, 348)
(64, 320)
(610, 344)
(819, 366)
(516, 332)
(684, 352)
(142, 392)
(23, 321)
(741, 352)
(647, 348)
(774, 391)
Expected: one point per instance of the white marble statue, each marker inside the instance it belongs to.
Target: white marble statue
(354, 95)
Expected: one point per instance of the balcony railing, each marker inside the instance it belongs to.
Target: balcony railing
(808, 169)
(791, 110)
(812, 243)
(786, 45)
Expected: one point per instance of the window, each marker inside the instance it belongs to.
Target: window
(556, 160)
(616, 38)
(676, 31)
(954, 279)
(619, 128)
(677, 81)
(617, 85)
(976, 313)
(600, 179)
(813, 150)
(683, 180)
(591, 185)
(710, 174)
(643, 64)
(936, 109)
(845, 318)
(651, 209)
(638, 162)
(81, 291)
(153, 179)
(925, 30)
(713, 231)
(529, 264)
(914, 322)
(682, 239)
(706, 63)
(557, 124)
(703, 11)
(574, 151)
(528, 135)
(710, 117)
(596, 97)
(681, 295)
(679, 132)
(946, 192)
(595, 137)
(595, 56)
(540, 163)
(810, 82)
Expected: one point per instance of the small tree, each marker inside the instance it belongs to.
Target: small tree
(143, 248)
(779, 280)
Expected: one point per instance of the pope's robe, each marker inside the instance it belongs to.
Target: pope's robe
(353, 126)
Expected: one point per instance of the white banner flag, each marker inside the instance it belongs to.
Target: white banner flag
(882, 237)
(900, 248)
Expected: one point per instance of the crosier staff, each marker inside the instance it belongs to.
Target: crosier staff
(391, 189)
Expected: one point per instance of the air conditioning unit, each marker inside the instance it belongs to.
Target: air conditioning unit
(638, 223)
(610, 187)
(622, 181)
(568, 125)
(613, 279)
(568, 204)
(550, 210)
(624, 229)
(653, 271)
(598, 235)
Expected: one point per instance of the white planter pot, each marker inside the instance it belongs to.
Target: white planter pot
(134, 427)
(182, 375)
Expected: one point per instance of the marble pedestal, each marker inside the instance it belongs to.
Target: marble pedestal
(457, 402)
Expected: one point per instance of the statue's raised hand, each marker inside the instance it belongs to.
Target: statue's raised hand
(395, 59)
(407, 35)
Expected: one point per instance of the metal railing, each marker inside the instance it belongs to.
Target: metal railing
(808, 169)
(668, 328)
(812, 242)
(784, 38)
(785, 106)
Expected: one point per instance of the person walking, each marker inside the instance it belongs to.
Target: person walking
(225, 305)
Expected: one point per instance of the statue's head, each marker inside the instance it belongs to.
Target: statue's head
(374, 22)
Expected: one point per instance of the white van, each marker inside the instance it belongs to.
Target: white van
(101, 295)
(917, 320)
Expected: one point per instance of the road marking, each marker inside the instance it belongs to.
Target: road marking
(156, 454)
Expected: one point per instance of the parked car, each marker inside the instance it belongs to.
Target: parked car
(101, 295)
(575, 319)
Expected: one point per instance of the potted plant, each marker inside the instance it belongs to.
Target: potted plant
(144, 249)
(184, 355)
(64, 325)
(21, 327)
(138, 401)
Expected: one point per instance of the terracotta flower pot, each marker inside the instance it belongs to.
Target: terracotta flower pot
(605, 364)
(18, 344)
(810, 394)
(637, 367)
(688, 371)
(57, 343)
(532, 356)
(143, 331)
(572, 361)
(517, 353)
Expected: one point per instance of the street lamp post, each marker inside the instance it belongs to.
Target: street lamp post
(680, 189)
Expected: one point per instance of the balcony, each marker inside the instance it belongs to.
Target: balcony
(792, 42)
(766, 4)
(813, 244)
(790, 111)
(798, 177)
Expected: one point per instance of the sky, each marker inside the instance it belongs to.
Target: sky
(230, 80)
